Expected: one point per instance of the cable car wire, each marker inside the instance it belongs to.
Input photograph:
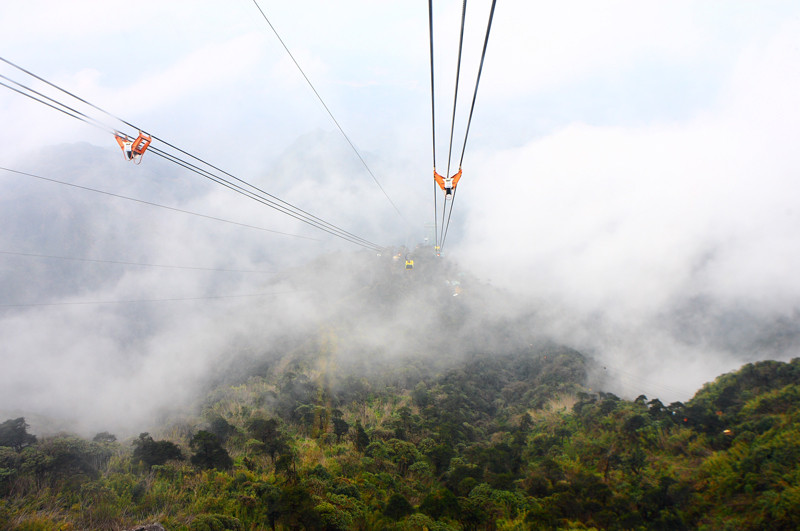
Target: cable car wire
(433, 100)
(295, 213)
(458, 75)
(77, 115)
(446, 224)
(478, 80)
(321, 225)
(156, 204)
(335, 121)
(471, 110)
(204, 173)
(118, 262)
(288, 209)
(86, 119)
(270, 200)
(128, 301)
(433, 131)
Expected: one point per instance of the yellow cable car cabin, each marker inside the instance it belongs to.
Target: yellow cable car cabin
(409, 264)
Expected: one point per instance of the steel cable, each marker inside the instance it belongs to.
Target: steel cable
(458, 75)
(335, 121)
(55, 181)
(274, 202)
(433, 129)
(477, 81)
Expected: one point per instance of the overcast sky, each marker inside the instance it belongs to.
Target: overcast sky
(626, 160)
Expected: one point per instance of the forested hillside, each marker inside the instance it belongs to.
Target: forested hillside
(511, 440)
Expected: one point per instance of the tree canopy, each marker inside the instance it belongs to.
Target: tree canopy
(496, 442)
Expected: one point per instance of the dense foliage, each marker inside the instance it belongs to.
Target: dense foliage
(494, 442)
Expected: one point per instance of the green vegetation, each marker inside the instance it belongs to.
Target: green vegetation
(494, 442)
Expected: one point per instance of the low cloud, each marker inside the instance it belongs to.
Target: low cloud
(652, 245)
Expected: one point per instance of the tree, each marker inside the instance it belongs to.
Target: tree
(297, 508)
(440, 456)
(151, 452)
(633, 423)
(14, 434)
(208, 452)
(420, 395)
(397, 507)
(215, 522)
(440, 503)
(66, 460)
(9, 463)
(221, 428)
(286, 464)
(271, 496)
(340, 428)
(263, 429)
(266, 431)
(104, 437)
(403, 453)
(332, 518)
(361, 438)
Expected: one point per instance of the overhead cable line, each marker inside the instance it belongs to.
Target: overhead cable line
(322, 225)
(58, 106)
(458, 75)
(277, 204)
(289, 209)
(478, 80)
(259, 195)
(452, 126)
(433, 130)
(156, 204)
(118, 262)
(472, 108)
(69, 111)
(127, 301)
(335, 121)
(446, 224)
